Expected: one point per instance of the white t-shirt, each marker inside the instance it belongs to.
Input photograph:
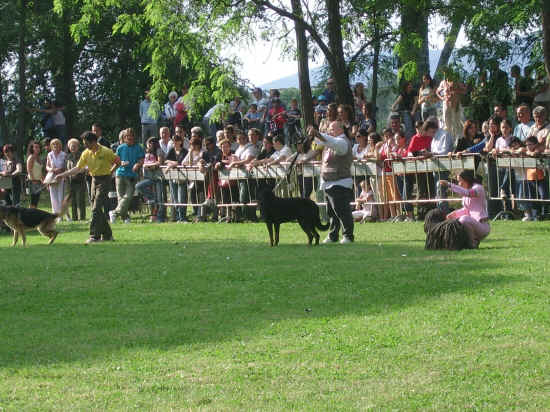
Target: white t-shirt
(285, 151)
(521, 131)
(356, 153)
(503, 143)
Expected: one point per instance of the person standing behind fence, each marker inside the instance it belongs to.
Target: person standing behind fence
(35, 172)
(521, 131)
(245, 153)
(536, 180)
(13, 170)
(169, 113)
(178, 188)
(193, 158)
(541, 128)
(101, 163)
(336, 181)
(77, 183)
(427, 98)
(131, 159)
(148, 113)
(441, 145)
(151, 187)
(406, 105)
(388, 190)
(210, 156)
(420, 146)
(473, 214)
(404, 181)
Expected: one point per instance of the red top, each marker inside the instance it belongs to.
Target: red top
(385, 151)
(181, 111)
(419, 142)
(279, 120)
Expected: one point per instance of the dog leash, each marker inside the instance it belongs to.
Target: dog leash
(288, 171)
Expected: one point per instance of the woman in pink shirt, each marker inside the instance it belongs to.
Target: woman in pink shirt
(473, 214)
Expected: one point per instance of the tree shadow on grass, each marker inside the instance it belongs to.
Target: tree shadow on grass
(171, 293)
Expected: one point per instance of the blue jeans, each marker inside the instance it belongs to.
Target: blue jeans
(538, 189)
(152, 189)
(178, 193)
(405, 187)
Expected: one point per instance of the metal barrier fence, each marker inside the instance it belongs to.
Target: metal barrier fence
(512, 182)
(517, 182)
(401, 182)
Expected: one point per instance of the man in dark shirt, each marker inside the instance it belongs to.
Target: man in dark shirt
(98, 131)
(210, 157)
(330, 92)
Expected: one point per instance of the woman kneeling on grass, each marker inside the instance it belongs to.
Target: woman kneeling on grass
(473, 214)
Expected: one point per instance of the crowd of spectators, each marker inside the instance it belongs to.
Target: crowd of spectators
(260, 130)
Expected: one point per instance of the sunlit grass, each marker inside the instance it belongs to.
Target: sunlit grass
(206, 316)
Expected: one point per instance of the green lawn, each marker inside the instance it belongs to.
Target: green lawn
(207, 316)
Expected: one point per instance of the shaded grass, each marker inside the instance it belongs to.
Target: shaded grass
(209, 317)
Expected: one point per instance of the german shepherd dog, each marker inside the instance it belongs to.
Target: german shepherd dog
(276, 210)
(21, 219)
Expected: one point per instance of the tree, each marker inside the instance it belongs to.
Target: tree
(303, 65)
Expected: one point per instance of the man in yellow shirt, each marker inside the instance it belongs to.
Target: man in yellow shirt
(101, 163)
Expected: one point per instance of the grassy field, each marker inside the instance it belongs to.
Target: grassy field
(208, 317)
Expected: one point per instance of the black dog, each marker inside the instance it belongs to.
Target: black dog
(276, 210)
(444, 234)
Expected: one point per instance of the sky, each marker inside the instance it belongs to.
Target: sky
(262, 62)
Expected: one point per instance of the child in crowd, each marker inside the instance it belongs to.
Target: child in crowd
(77, 183)
(253, 117)
(404, 182)
(35, 172)
(151, 185)
(365, 212)
(530, 183)
(294, 115)
(387, 188)
(321, 109)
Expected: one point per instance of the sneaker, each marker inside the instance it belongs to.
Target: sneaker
(127, 220)
(112, 216)
(92, 240)
(110, 239)
(345, 240)
(526, 218)
(329, 240)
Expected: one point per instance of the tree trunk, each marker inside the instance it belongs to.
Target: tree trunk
(63, 69)
(414, 25)
(22, 81)
(303, 65)
(546, 34)
(338, 65)
(450, 42)
(3, 123)
(375, 66)
(123, 102)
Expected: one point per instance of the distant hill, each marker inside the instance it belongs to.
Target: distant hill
(315, 73)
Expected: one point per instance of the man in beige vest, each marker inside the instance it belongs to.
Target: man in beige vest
(336, 180)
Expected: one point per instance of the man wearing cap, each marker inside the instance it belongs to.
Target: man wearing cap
(101, 163)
